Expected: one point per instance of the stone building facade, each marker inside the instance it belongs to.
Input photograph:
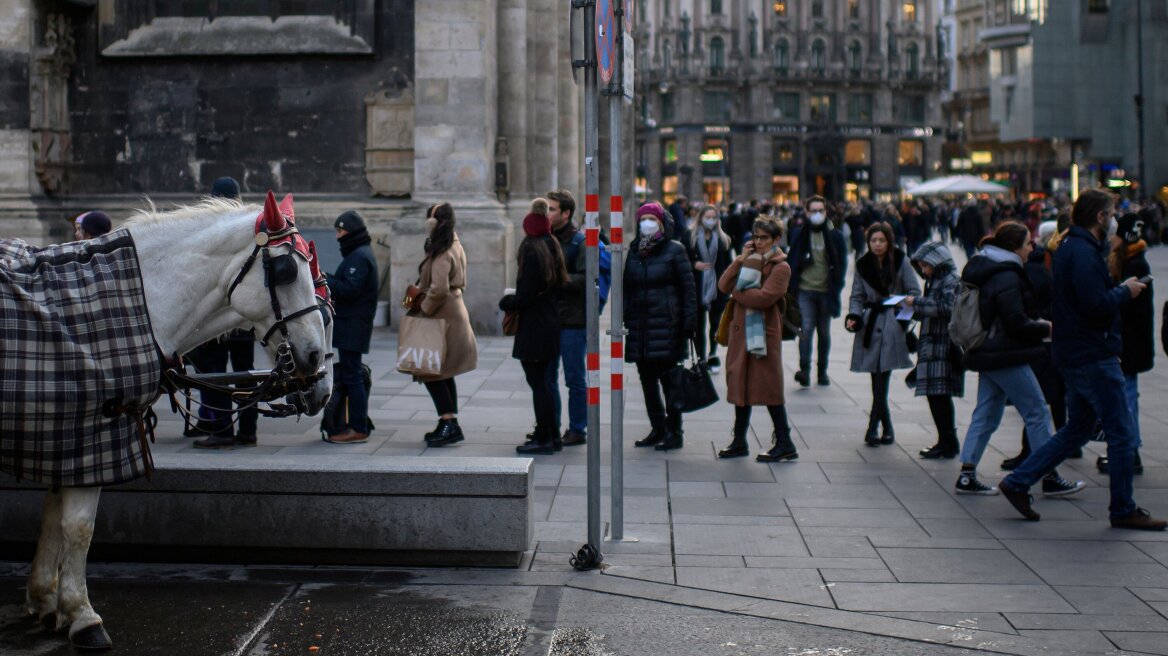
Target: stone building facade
(384, 106)
(781, 99)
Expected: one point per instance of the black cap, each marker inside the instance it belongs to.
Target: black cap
(225, 187)
(95, 223)
(350, 221)
(1131, 227)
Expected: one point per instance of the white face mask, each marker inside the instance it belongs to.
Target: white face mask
(1112, 227)
(817, 218)
(648, 227)
(710, 223)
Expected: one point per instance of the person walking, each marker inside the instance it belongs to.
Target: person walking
(757, 280)
(660, 314)
(442, 279)
(939, 375)
(709, 250)
(354, 292)
(1087, 342)
(880, 346)
(1009, 311)
(573, 337)
(540, 276)
(1127, 260)
(818, 261)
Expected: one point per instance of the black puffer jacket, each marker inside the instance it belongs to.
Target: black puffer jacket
(660, 303)
(1136, 321)
(1009, 310)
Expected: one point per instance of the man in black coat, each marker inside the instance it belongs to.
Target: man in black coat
(573, 337)
(354, 292)
(818, 259)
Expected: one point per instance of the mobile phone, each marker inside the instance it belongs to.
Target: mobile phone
(1146, 280)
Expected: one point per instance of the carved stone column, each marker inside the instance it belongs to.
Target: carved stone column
(49, 103)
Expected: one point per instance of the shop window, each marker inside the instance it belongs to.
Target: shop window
(911, 153)
(787, 106)
(858, 152)
(669, 151)
(785, 150)
(860, 108)
(785, 189)
(669, 189)
(714, 151)
(823, 107)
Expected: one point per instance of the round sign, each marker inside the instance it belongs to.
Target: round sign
(605, 40)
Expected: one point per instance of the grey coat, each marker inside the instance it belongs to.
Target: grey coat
(886, 349)
(936, 375)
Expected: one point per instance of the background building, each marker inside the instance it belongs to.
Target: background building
(777, 99)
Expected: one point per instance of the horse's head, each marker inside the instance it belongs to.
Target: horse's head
(282, 292)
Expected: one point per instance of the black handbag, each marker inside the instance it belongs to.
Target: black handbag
(697, 386)
(911, 341)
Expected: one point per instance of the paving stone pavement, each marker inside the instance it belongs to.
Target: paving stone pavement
(866, 538)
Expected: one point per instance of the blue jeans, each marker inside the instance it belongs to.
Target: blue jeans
(993, 388)
(1093, 390)
(573, 345)
(1132, 388)
(348, 378)
(816, 310)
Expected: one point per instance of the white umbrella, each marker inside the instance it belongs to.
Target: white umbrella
(956, 184)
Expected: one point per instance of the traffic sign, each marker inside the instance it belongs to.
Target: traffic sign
(605, 40)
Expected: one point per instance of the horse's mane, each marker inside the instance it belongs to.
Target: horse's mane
(208, 205)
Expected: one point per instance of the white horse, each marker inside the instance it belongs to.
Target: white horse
(190, 259)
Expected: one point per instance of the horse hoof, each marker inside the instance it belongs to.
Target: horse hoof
(92, 637)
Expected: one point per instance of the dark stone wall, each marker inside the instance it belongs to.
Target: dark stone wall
(292, 123)
(13, 90)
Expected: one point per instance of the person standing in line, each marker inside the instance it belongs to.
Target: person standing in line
(212, 357)
(819, 263)
(89, 225)
(879, 347)
(754, 376)
(660, 314)
(540, 276)
(573, 337)
(354, 291)
(1009, 311)
(1127, 260)
(442, 279)
(1087, 342)
(939, 375)
(709, 250)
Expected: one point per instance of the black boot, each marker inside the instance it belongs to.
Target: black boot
(872, 438)
(782, 448)
(1010, 464)
(429, 436)
(673, 440)
(737, 448)
(888, 436)
(651, 439)
(946, 447)
(448, 433)
(544, 445)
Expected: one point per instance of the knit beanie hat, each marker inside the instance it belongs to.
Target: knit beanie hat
(652, 209)
(95, 223)
(537, 225)
(350, 221)
(1131, 227)
(225, 187)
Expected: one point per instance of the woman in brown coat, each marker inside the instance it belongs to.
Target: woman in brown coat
(442, 279)
(750, 379)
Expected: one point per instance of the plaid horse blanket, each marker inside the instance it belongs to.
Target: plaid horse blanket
(77, 351)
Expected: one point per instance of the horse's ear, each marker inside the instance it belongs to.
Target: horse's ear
(273, 219)
(286, 208)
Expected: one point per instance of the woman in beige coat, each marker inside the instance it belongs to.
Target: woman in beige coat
(750, 379)
(442, 279)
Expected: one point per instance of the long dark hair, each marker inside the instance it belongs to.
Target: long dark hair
(442, 236)
(553, 271)
(887, 264)
(1008, 236)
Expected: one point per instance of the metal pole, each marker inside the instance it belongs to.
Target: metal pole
(1140, 95)
(616, 244)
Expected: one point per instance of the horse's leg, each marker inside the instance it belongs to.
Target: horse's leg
(42, 581)
(78, 511)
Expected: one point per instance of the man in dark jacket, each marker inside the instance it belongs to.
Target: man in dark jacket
(819, 262)
(1086, 347)
(573, 337)
(970, 228)
(354, 292)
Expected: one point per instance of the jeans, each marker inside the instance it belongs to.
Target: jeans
(444, 393)
(211, 357)
(656, 378)
(816, 310)
(1132, 388)
(1094, 390)
(573, 345)
(713, 314)
(348, 378)
(993, 388)
(542, 395)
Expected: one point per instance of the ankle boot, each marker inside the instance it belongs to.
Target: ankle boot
(544, 444)
(946, 447)
(448, 433)
(429, 436)
(782, 448)
(651, 439)
(888, 436)
(737, 448)
(672, 440)
(872, 437)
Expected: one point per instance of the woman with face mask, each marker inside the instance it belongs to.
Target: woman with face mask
(660, 314)
(709, 250)
(442, 277)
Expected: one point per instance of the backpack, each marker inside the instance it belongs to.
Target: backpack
(792, 317)
(605, 281)
(335, 418)
(965, 327)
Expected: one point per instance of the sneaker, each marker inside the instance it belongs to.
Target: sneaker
(1057, 486)
(967, 483)
(1021, 502)
(803, 378)
(1139, 519)
(714, 364)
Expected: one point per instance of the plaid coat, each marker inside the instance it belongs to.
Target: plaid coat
(77, 346)
(936, 375)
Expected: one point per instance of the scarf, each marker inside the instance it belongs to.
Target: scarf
(750, 277)
(1116, 263)
(645, 246)
(708, 249)
(353, 241)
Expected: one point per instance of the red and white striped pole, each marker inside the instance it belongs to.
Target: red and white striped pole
(617, 333)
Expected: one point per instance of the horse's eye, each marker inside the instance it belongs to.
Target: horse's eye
(281, 270)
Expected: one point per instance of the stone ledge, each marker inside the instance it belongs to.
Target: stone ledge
(332, 509)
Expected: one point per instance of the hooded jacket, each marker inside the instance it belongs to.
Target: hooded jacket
(1087, 303)
(1009, 310)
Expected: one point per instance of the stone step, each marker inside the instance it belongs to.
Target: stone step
(331, 509)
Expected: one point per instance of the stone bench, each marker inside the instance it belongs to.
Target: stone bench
(327, 509)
